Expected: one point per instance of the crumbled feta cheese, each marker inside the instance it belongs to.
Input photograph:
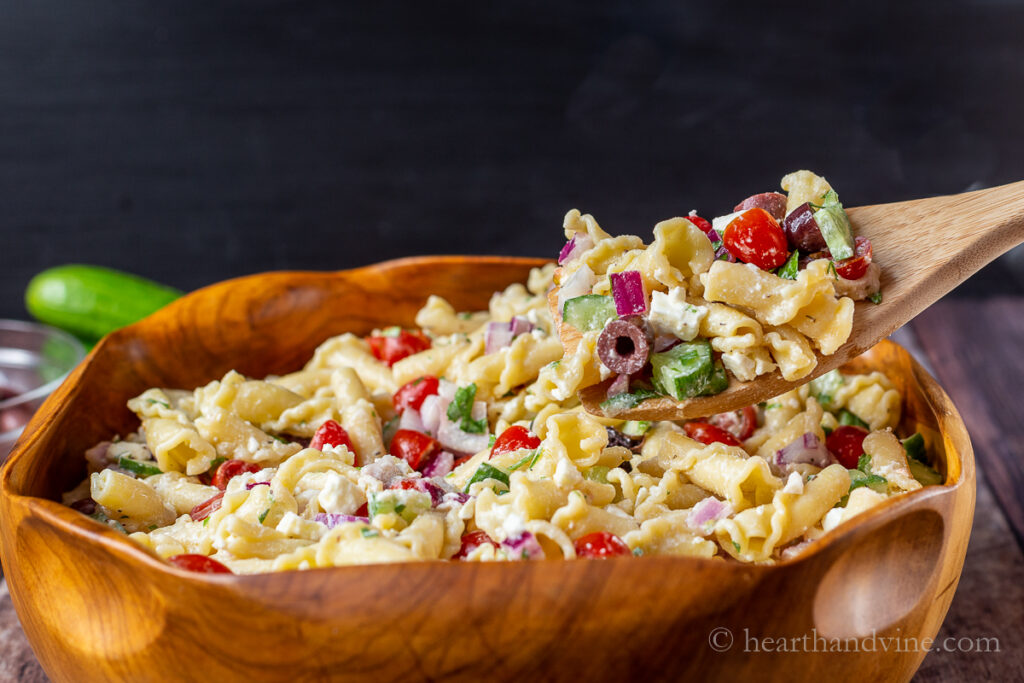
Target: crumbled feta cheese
(513, 525)
(290, 524)
(340, 495)
(721, 222)
(671, 314)
(795, 484)
(833, 518)
(567, 476)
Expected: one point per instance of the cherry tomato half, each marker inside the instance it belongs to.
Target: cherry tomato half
(393, 348)
(755, 237)
(471, 541)
(330, 433)
(853, 268)
(412, 447)
(740, 423)
(412, 394)
(229, 469)
(703, 223)
(847, 443)
(207, 507)
(601, 544)
(513, 439)
(198, 563)
(705, 432)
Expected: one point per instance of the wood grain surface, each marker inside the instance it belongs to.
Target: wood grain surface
(559, 620)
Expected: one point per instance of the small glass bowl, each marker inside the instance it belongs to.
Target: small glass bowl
(34, 360)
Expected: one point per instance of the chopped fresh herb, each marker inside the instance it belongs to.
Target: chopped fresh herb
(824, 388)
(465, 315)
(771, 406)
(153, 401)
(832, 270)
(637, 552)
(153, 526)
(526, 460)
(140, 469)
(626, 401)
(862, 476)
(279, 439)
(215, 463)
(263, 515)
(737, 547)
(486, 471)
(392, 331)
(491, 440)
(399, 508)
(826, 429)
(460, 410)
(368, 532)
(914, 446)
(876, 298)
(790, 268)
(849, 419)
(206, 520)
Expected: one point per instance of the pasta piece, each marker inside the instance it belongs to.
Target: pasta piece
(133, 503)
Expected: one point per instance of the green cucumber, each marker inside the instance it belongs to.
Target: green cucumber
(589, 312)
(824, 388)
(687, 370)
(835, 226)
(91, 301)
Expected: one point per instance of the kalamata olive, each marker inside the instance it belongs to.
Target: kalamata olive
(772, 202)
(617, 438)
(802, 230)
(623, 347)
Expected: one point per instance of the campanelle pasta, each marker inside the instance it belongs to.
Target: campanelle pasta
(464, 440)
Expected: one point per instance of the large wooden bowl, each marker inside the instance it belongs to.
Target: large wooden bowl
(96, 607)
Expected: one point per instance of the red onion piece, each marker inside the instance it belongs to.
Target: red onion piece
(333, 519)
(523, 546)
(806, 449)
(579, 283)
(457, 496)
(721, 253)
(500, 335)
(708, 510)
(619, 386)
(451, 436)
(441, 465)
(253, 484)
(411, 420)
(628, 292)
(664, 342)
(772, 202)
(520, 325)
(578, 244)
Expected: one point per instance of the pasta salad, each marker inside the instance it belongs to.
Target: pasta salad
(453, 441)
(759, 289)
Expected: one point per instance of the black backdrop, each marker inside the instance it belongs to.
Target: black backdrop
(191, 141)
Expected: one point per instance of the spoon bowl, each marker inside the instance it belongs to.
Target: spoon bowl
(925, 248)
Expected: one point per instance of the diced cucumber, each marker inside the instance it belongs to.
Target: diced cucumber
(141, 469)
(849, 419)
(872, 481)
(926, 474)
(824, 388)
(684, 370)
(635, 428)
(914, 446)
(718, 382)
(589, 312)
(598, 473)
(835, 226)
(621, 402)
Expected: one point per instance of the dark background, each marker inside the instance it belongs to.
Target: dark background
(194, 141)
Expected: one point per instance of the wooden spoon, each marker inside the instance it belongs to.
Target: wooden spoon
(925, 248)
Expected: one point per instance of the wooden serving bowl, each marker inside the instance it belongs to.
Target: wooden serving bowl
(96, 607)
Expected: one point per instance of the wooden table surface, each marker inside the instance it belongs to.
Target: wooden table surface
(973, 347)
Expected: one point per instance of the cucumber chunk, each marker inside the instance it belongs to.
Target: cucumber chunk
(687, 370)
(835, 227)
(589, 312)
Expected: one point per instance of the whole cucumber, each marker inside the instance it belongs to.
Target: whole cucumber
(91, 301)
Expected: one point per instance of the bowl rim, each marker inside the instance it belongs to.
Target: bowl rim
(65, 519)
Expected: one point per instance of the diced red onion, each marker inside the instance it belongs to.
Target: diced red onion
(578, 244)
(628, 292)
(333, 519)
(429, 486)
(619, 386)
(253, 484)
(721, 252)
(411, 420)
(386, 470)
(431, 410)
(806, 449)
(706, 511)
(664, 342)
(446, 390)
(500, 335)
(441, 465)
(579, 283)
(457, 496)
(523, 546)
